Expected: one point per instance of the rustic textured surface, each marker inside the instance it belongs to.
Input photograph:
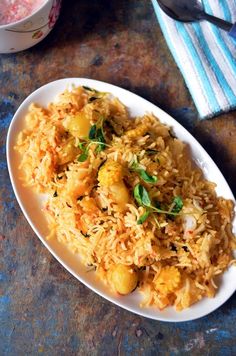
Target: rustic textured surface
(43, 309)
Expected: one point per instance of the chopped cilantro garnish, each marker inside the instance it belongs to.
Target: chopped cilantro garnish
(143, 174)
(143, 199)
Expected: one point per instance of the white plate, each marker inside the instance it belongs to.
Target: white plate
(31, 203)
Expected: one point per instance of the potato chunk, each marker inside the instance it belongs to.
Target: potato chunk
(78, 125)
(67, 153)
(120, 194)
(124, 279)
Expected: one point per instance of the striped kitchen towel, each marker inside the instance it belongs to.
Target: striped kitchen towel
(206, 56)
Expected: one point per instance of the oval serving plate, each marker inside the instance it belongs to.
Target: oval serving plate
(31, 203)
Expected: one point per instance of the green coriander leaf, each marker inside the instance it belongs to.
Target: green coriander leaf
(101, 140)
(93, 132)
(134, 166)
(143, 218)
(178, 205)
(141, 195)
(83, 157)
(100, 135)
(146, 177)
(138, 194)
(145, 197)
(100, 147)
(98, 143)
(81, 145)
(175, 210)
(160, 211)
(143, 174)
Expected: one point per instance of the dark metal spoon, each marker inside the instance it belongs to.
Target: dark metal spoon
(192, 10)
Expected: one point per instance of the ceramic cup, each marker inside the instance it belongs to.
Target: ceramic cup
(23, 34)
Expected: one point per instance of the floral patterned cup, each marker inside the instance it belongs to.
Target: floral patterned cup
(18, 36)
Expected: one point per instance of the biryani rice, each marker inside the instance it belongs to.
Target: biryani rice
(177, 259)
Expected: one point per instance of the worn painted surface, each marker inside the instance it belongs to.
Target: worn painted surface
(43, 309)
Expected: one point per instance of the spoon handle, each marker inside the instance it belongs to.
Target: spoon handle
(225, 25)
(232, 32)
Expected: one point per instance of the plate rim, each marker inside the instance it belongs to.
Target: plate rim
(171, 121)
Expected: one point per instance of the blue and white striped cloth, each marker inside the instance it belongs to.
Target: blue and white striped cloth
(206, 57)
